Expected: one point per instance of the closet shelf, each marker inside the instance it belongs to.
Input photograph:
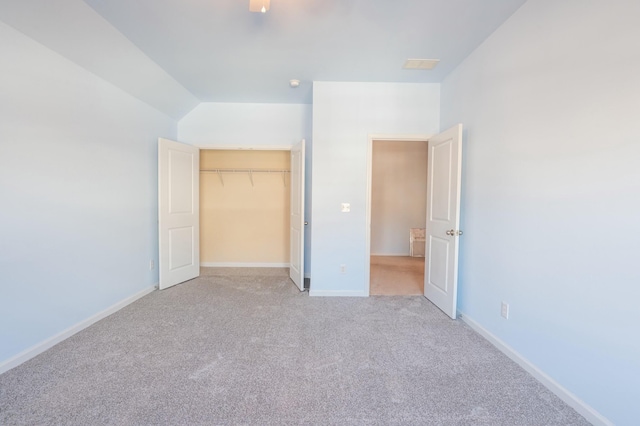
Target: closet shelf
(219, 172)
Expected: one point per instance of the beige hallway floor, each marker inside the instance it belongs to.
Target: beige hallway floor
(397, 275)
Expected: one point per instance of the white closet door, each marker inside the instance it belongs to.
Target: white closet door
(296, 234)
(178, 212)
(443, 220)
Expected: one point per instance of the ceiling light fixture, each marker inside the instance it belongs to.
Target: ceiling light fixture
(294, 83)
(259, 5)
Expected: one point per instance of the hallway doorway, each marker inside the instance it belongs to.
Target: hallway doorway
(398, 204)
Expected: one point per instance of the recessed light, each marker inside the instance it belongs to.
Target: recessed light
(294, 83)
(420, 64)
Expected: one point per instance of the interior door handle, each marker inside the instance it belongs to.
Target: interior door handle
(306, 223)
(449, 232)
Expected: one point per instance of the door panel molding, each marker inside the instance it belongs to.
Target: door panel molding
(443, 219)
(178, 212)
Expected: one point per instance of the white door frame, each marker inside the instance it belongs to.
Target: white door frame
(372, 138)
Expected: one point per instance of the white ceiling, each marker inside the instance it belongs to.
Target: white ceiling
(173, 54)
(221, 52)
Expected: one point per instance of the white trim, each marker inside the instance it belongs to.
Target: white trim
(243, 265)
(39, 348)
(392, 255)
(561, 392)
(371, 138)
(246, 148)
(337, 293)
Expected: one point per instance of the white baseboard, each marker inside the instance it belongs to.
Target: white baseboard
(338, 293)
(243, 265)
(37, 349)
(563, 393)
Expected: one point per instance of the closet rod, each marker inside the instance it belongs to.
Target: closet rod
(250, 171)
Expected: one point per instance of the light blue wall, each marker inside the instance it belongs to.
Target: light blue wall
(344, 115)
(237, 125)
(551, 199)
(78, 188)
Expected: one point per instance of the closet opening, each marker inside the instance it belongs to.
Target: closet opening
(398, 211)
(229, 208)
(244, 208)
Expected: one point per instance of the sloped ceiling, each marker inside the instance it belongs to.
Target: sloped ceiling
(218, 51)
(77, 32)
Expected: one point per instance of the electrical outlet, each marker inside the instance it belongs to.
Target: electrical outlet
(343, 269)
(345, 207)
(504, 310)
(151, 265)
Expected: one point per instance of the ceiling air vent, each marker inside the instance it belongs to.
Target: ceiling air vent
(420, 64)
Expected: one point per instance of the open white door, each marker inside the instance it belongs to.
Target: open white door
(178, 212)
(296, 234)
(443, 220)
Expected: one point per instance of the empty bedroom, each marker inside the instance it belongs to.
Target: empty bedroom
(331, 212)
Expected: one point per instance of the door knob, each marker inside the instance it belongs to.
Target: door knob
(459, 233)
(449, 232)
(306, 223)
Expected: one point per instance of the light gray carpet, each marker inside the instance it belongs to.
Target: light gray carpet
(246, 347)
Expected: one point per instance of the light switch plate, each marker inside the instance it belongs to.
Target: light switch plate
(345, 207)
(504, 310)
